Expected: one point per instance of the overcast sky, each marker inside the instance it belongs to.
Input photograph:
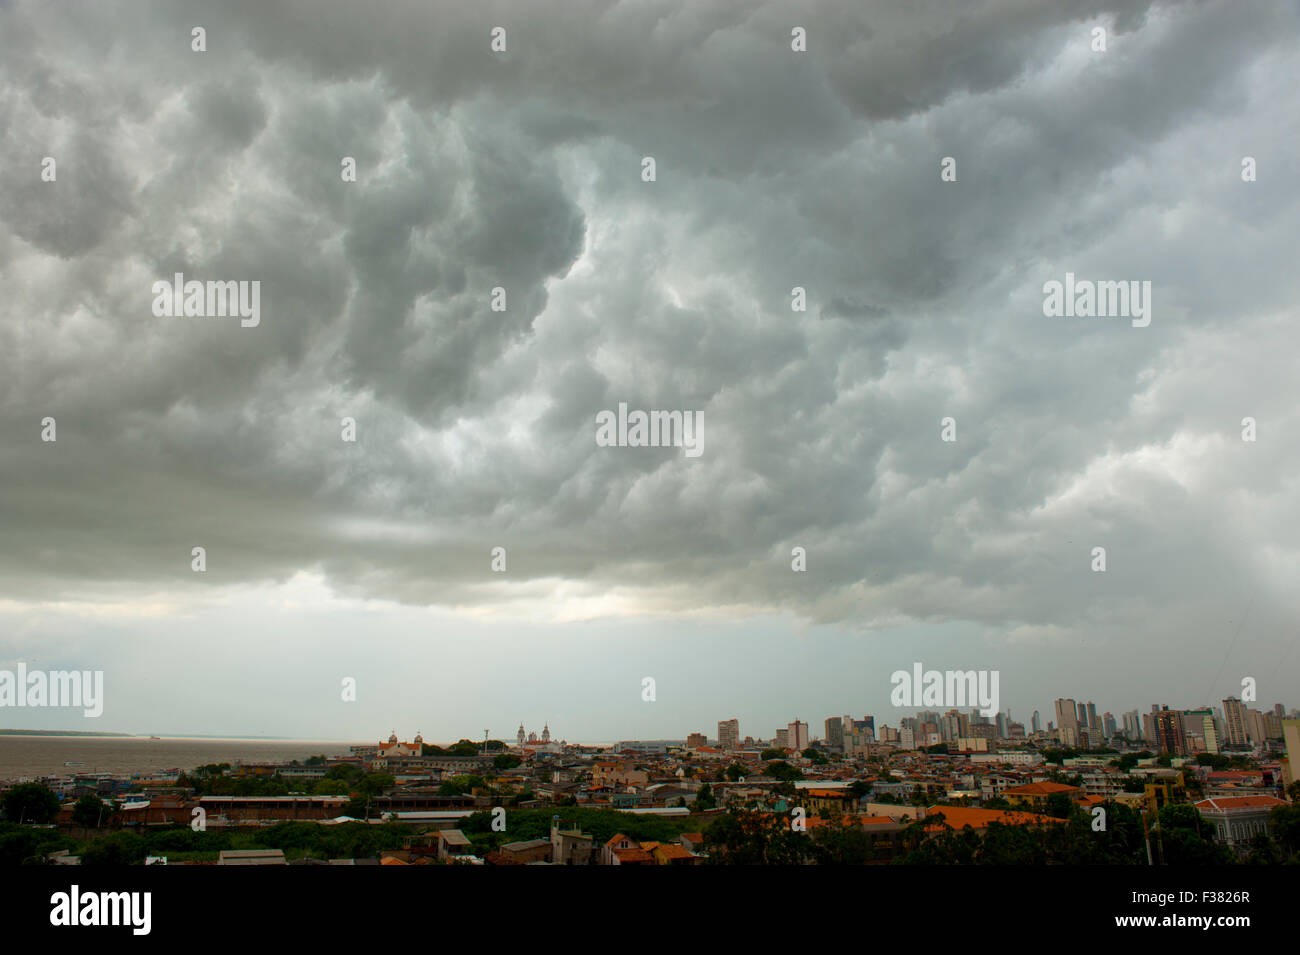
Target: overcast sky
(476, 428)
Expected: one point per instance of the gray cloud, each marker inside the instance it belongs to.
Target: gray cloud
(775, 170)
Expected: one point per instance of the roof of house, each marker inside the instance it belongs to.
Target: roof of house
(1241, 802)
(633, 855)
(959, 817)
(1040, 789)
(670, 851)
(453, 837)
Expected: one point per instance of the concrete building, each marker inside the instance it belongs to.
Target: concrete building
(1291, 764)
(799, 738)
(1067, 721)
(1234, 715)
(570, 846)
(1237, 820)
(1169, 731)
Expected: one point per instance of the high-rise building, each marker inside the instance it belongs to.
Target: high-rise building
(1255, 727)
(695, 740)
(1094, 722)
(1272, 725)
(1201, 723)
(1036, 724)
(1067, 721)
(799, 738)
(1108, 726)
(782, 739)
(1291, 765)
(1169, 731)
(1132, 726)
(1234, 716)
(835, 732)
(1149, 726)
(729, 734)
(956, 725)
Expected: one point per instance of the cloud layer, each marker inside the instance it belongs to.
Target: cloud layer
(775, 169)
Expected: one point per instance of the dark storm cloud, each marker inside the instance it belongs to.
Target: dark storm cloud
(775, 170)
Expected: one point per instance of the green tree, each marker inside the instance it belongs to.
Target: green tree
(840, 845)
(30, 803)
(1187, 840)
(750, 837)
(780, 769)
(90, 812)
(506, 761)
(375, 784)
(704, 799)
(860, 788)
(1059, 805)
(771, 754)
(735, 772)
(121, 848)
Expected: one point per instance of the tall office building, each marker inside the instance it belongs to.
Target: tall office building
(1094, 722)
(1291, 765)
(1132, 726)
(1108, 727)
(798, 736)
(1036, 724)
(1255, 728)
(729, 734)
(1169, 731)
(1201, 723)
(1272, 725)
(1234, 718)
(1067, 721)
(835, 732)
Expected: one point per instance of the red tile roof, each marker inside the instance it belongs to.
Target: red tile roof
(1040, 789)
(959, 817)
(1240, 802)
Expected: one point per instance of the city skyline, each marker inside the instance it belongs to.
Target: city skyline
(364, 369)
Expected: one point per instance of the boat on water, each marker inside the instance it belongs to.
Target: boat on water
(73, 763)
(155, 737)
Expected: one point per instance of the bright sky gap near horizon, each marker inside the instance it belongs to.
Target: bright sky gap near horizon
(775, 169)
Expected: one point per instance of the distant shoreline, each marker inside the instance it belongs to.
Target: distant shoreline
(61, 733)
(144, 736)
